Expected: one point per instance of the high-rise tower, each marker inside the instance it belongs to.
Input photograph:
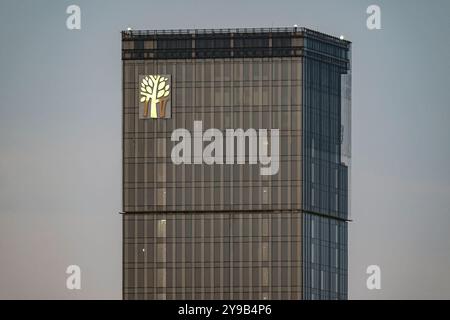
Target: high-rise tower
(198, 221)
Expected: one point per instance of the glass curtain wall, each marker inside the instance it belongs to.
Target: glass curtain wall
(326, 175)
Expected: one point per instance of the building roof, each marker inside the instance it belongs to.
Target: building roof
(291, 31)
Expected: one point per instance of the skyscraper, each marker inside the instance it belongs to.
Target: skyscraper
(236, 161)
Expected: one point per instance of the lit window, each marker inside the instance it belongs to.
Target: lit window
(161, 228)
(265, 196)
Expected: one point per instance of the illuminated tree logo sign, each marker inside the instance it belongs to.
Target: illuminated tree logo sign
(155, 96)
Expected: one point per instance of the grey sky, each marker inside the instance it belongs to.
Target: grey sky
(60, 120)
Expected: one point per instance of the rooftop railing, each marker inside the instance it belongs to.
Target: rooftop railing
(126, 34)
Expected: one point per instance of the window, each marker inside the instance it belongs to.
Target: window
(265, 251)
(265, 276)
(227, 71)
(265, 227)
(312, 172)
(217, 96)
(227, 97)
(322, 279)
(313, 254)
(297, 42)
(217, 71)
(266, 71)
(336, 202)
(336, 179)
(161, 172)
(247, 96)
(149, 44)
(256, 70)
(161, 252)
(161, 278)
(179, 72)
(160, 147)
(246, 71)
(265, 96)
(128, 44)
(255, 96)
(161, 197)
(161, 296)
(336, 282)
(161, 228)
(207, 72)
(265, 196)
(237, 96)
(236, 72)
(337, 153)
(139, 45)
(227, 120)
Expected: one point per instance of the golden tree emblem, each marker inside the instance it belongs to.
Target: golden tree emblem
(155, 89)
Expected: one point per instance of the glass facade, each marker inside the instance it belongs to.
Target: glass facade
(326, 154)
(213, 255)
(223, 231)
(253, 93)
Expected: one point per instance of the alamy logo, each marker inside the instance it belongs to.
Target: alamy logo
(155, 91)
(214, 151)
